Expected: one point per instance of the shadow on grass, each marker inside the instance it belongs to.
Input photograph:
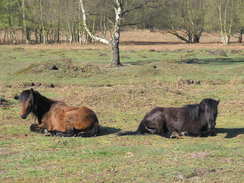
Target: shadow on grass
(149, 43)
(220, 61)
(231, 132)
(170, 43)
(104, 130)
(141, 62)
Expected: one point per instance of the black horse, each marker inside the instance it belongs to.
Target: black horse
(193, 120)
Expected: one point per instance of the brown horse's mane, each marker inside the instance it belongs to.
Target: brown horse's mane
(41, 105)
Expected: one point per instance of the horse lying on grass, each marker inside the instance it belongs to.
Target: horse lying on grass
(57, 118)
(192, 120)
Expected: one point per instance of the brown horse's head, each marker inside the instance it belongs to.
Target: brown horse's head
(26, 99)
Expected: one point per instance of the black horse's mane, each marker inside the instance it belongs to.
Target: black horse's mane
(193, 111)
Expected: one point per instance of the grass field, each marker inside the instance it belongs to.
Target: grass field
(121, 97)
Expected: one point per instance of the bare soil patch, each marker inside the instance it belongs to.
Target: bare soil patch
(64, 68)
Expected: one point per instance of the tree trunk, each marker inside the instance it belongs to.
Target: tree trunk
(25, 33)
(196, 38)
(178, 36)
(114, 42)
(115, 52)
(225, 39)
(240, 36)
(42, 24)
(28, 35)
(36, 36)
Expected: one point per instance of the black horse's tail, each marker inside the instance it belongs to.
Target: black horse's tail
(140, 131)
(129, 133)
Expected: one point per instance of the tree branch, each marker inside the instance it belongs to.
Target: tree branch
(96, 38)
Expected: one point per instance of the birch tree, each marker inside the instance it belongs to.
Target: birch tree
(240, 15)
(121, 9)
(226, 18)
(25, 33)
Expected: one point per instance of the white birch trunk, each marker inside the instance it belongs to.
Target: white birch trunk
(115, 38)
(24, 23)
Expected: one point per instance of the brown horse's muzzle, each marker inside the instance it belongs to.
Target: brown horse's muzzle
(26, 109)
(24, 116)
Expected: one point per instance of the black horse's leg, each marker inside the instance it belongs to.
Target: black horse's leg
(208, 132)
(184, 133)
(173, 133)
(204, 131)
(151, 130)
(213, 132)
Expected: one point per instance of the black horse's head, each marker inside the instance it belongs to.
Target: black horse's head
(209, 110)
(26, 99)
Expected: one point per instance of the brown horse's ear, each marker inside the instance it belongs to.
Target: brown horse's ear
(32, 94)
(32, 91)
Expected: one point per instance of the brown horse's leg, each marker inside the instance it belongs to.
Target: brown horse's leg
(68, 133)
(94, 131)
(38, 128)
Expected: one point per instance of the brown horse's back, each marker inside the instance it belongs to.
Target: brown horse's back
(64, 118)
(81, 118)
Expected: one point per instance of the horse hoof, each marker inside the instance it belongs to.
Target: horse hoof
(47, 133)
(173, 136)
(184, 134)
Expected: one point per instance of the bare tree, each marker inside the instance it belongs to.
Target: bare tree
(226, 18)
(240, 24)
(114, 42)
(186, 19)
(26, 37)
(121, 9)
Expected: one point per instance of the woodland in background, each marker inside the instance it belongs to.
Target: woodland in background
(56, 21)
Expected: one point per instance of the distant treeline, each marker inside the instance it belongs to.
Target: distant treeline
(56, 21)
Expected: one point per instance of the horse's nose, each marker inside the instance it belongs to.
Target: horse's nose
(16, 97)
(23, 116)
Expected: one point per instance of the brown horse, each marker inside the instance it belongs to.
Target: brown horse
(57, 118)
